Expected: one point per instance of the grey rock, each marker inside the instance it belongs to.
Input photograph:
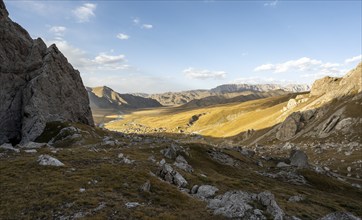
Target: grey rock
(46, 160)
(267, 199)
(194, 189)
(185, 190)
(125, 159)
(167, 173)
(146, 187)
(293, 124)
(289, 127)
(232, 204)
(179, 180)
(206, 191)
(222, 158)
(37, 85)
(172, 151)
(330, 124)
(31, 151)
(237, 204)
(286, 176)
(299, 159)
(180, 159)
(131, 205)
(344, 124)
(288, 146)
(9, 147)
(162, 162)
(282, 164)
(32, 145)
(296, 198)
(182, 164)
(340, 216)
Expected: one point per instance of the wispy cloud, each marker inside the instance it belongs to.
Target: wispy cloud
(271, 4)
(261, 80)
(85, 12)
(309, 68)
(85, 63)
(301, 64)
(147, 26)
(203, 74)
(138, 23)
(354, 59)
(122, 36)
(58, 30)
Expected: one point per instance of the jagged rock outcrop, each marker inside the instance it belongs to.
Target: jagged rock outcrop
(37, 85)
(238, 204)
(293, 124)
(333, 87)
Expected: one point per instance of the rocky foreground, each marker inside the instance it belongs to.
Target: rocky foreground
(76, 171)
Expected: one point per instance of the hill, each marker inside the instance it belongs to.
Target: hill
(105, 102)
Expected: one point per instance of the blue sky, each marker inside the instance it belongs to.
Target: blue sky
(159, 46)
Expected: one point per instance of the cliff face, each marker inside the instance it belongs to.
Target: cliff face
(37, 85)
(333, 87)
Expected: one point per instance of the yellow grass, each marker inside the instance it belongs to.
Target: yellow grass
(219, 121)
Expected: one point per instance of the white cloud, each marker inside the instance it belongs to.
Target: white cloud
(137, 22)
(261, 80)
(82, 61)
(353, 59)
(264, 67)
(272, 3)
(302, 64)
(147, 26)
(203, 74)
(122, 36)
(58, 30)
(85, 12)
(104, 58)
(330, 65)
(309, 68)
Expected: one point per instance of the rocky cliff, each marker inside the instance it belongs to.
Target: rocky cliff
(333, 87)
(37, 85)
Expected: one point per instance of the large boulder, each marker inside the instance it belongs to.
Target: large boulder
(167, 173)
(299, 159)
(46, 160)
(37, 85)
(206, 191)
(293, 124)
(242, 205)
(290, 126)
